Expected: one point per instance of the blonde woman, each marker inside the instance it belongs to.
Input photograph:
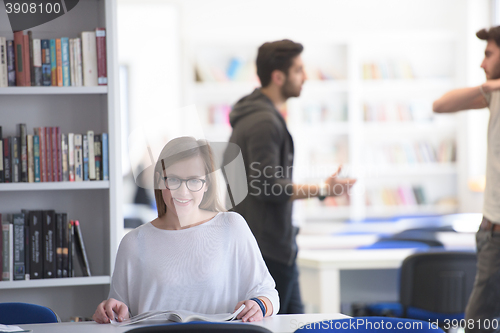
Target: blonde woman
(194, 256)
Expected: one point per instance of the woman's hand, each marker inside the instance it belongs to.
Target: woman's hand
(104, 311)
(251, 311)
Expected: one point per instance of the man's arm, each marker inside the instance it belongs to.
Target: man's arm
(461, 99)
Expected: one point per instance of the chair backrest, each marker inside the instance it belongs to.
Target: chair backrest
(26, 313)
(371, 325)
(205, 327)
(439, 282)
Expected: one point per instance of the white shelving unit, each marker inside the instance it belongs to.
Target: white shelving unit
(96, 204)
(328, 123)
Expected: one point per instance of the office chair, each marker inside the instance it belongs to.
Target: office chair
(201, 327)
(26, 313)
(433, 286)
(370, 325)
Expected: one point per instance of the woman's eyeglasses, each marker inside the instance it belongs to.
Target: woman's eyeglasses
(193, 184)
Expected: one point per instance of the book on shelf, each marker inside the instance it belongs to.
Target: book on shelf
(36, 245)
(49, 239)
(71, 157)
(11, 65)
(19, 58)
(26, 60)
(78, 158)
(403, 195)
(30, 49)
(80, 249)
(65, 62)
(179, 316)
(59, 244)
(105, 156)
(85, 157)
(19, 258)
(98, 157)
(102, 76)
(90, 136)
(24, 152)
(37, 63)
(387, 69)
(4, 80)
(6, 160)
(89, 58)
(46, 62)
(7, 247)
(59, 63)
(65, 247)
(53, 62)
(16, 163)
(27, 264)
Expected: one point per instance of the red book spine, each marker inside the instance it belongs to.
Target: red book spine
(55, 168)
(41, 135)
(59, 62)
(102, 75)
(19, 58)
(48, 155)
(26, 61)
(59, 155)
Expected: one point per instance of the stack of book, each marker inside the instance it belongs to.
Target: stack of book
(41, 244)
(28, 61)
(48, 155)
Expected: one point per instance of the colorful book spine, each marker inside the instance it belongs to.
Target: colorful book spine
(59, 155)
(26, 60)
(66, 77)
(40, 131)
(64, 148)
(46, 63)
(89, 56)
(72, 62)
(55, 155)
(37, 62)
(102, 77)
(85, 157)
(98, 157)
(19, 58)
(59, 62)
(105, 159)
(78, 62)
(31, 161)
(90, 135)
(7, 229)
(36, 157)
(71, 157)
(11, 63)
(48, 153)
(53, 63)
(78, 158)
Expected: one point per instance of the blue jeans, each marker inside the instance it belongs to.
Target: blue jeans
(287, 284)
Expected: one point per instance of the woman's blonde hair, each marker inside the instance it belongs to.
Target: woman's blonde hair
(180, 149)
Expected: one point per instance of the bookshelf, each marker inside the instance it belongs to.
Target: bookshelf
(367, 104)
(96, 204)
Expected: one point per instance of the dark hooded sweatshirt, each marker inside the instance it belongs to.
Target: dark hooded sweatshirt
(267, 149)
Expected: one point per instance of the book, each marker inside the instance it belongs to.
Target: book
(37, 62)
(26, 243)
(102, 77)
(78, 62)
(5, 247)
(48, 153)
(54, 153)
(78, 158)
(18, 222)
(80, 249)
(89, 58)
(36, 247)
(11, 63)
(24, 152)
(179, 316)
(59, 154)
(53, 63)
(105, 158)
(31, 58)
(26, 60)
(14, 156)
(72, 62)
(49, 240)
(7, 175)
(4, 80)
(90, 137)
(19, 58)
(85, 157)
(64, 149)
(58, 244)
(46, 63)
(36, 157)
(71, 249)
(71, 157)
(65, 62)
(31, 156)
(98, 157)
(59, 64)
(65, 246)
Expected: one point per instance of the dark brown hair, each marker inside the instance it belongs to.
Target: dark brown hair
(492, 33)
(180, 149)
(276, 55)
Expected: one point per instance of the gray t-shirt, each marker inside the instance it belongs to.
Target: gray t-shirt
(491, 208)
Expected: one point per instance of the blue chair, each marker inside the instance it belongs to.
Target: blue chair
(201, 326)
(371, 325)
(26, 313)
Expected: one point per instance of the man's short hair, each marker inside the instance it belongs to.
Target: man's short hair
(276, 55)
(492, 33)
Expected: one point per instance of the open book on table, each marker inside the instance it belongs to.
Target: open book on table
(178, 316)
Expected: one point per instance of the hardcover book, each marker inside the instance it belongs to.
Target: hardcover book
(71, 157)
(24, 152)
(80, 250)
(14, 155)
(37, 62)
(11, 63)
(4, 80)
(53, 63)
(19, 58)
(36, 155)
(36, 244)
(98, 157)
(105, 158)
(78, 158)
(90, 136)
(49, 250)
(89, 58)
(65, 62)
(7, 161)
(46, 63)
(102, 77)
(18, 221)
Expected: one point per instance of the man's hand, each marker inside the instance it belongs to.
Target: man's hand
(336, 186)
(104, 311)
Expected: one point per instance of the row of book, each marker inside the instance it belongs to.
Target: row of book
(412, 153)
(415, 111)
(315, 113)
(41, 244)
(28, 61)
(388, 69)
(396, 196)
(48, 155)
(236, 69)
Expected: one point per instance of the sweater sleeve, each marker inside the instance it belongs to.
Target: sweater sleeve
(267, 179)
(254, 277)
(119, 281)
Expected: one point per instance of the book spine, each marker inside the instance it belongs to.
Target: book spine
(4, 80)
(26, 243)
(78, 158)
(14, 152)
(43, 164)
(65, 61)
(53, 63)
(79, 65)
(18, 221)
(11, 252)
(48, 153)
(59, 245)
(71, 249)
(37, 62)
(90, 135)
(5, 249)
(71, 157)
(85, 157)
(11, 63)
(65, 243)
(49, 235)
(72, 61)
(105, 159)
(59, 155)
(65, 167)
(31, 58)
(98, 157)
(59, 62)
(102, 77)
(55, 167)
(36, 262)
(46, 63)
(26, 60)
(19, 58)
(36, 154)
(7, 161)
(31, 161)
(80, 249)
(2, 175)
(24, 153)
(89, 58)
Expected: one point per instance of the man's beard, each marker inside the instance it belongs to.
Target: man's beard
(495, 74)
(288, 90)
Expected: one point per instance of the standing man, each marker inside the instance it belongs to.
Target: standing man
(484, 302)
(267, 149)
